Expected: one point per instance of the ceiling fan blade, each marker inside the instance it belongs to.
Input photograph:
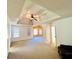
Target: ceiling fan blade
(35, 19)
(32, 16)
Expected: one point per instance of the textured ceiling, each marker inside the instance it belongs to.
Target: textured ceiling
(61, 7)
(47, 9)
(44, 14)
(14, 7)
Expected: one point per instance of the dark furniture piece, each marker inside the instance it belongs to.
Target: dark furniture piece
(65, 51)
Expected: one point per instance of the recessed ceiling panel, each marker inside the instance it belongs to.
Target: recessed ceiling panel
(44, 14)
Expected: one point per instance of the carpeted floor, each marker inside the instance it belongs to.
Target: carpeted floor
(32, 50)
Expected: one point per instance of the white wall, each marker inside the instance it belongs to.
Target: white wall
(8, 32)
(64, 31)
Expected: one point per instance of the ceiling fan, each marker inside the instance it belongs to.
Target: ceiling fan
(28, 16)
(33, 17)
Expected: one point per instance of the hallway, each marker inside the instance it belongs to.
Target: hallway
(32, 50)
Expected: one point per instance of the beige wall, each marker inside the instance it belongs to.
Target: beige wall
(64, 31)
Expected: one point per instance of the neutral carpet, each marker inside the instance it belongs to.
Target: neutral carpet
(32, 50)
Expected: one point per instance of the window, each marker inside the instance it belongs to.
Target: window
(40, 32)
(15, 31)
(36, 31)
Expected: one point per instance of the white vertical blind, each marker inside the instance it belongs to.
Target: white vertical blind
(15, 31)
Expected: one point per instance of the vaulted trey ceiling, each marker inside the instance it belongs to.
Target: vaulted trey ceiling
(46, 9)
(61, 7)
(44, 14)
(14, 8)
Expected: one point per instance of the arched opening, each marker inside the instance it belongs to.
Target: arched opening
(37, 30)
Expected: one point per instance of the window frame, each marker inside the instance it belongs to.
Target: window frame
(15, 34)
